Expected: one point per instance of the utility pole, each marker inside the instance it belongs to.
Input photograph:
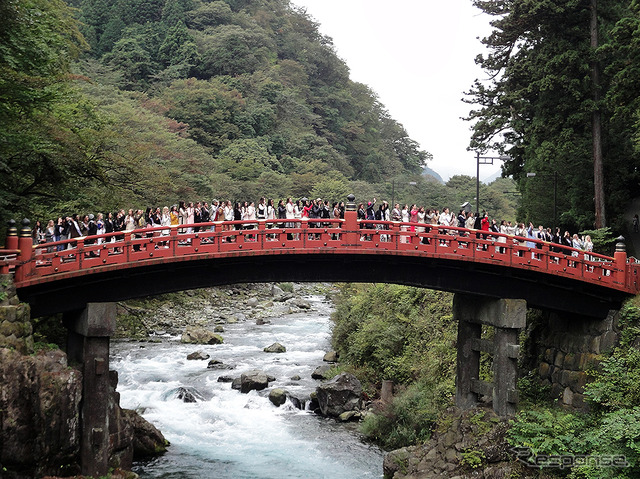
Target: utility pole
(596, 121)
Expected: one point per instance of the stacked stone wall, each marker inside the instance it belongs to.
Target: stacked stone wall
(16, 331)
(568, 347)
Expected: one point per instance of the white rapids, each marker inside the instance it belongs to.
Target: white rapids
(227, 434)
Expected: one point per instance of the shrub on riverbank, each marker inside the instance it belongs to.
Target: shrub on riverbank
(406, 335)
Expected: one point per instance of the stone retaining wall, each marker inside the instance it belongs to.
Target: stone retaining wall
(567, 347)
(16, 331)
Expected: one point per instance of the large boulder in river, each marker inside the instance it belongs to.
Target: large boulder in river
(148, 441)
(197, 335)
(275, 348)
(198, 356)
(340, 394)
(253, 380)
(278, 396)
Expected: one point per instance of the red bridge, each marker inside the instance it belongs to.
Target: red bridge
(496, 278)
(126, 265)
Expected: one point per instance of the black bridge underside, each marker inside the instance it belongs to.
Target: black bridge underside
(541, 291)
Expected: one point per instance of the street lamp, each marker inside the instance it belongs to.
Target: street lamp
(555, 192)
(484, 160)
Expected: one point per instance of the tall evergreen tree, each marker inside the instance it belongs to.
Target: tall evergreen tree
(539, 104)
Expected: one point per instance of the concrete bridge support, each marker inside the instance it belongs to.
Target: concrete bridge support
(508, 317)
(88, 345)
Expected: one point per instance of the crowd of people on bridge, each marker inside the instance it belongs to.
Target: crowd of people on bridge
(414, 218)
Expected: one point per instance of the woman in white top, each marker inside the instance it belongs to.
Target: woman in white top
(271, 211)
(421, 219)
(228, 215)
(297, 210)
(100, 225)
(577, 244)
(165, 220)
(404, 214)
(130, 221)
(251, 211)
(587, 246)
(470, 221)
(290, 211)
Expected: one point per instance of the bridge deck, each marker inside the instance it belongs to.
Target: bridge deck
(441, 257)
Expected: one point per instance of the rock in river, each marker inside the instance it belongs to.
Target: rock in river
(275, 348)
(321, 372)
(340, 394)
(196, 335)
(198, 355)
(278, 396)
(253, 380)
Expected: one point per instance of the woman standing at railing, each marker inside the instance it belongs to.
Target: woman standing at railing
(191, 212)
(165, 220)
(290, 212)
(59, 233)
(421, 219)
(282, 213)
(174, 216)
(576, 243)
(182, 213)
(470, 221)
(130, 221)
(49, 234)
(100, 229)
(413, 216)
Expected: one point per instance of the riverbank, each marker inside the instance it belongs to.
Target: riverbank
(154, 318)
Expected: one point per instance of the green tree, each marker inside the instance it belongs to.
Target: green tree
(111, 34)
(233, 50)
(178, 50)
(209, 15)
(246, 159)
(538, 106)
(38, 41)
(175, 11)
(208, 107)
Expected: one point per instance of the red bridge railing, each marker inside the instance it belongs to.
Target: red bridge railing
(126, 249)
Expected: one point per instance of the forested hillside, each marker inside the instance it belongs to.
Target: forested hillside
(141, 102)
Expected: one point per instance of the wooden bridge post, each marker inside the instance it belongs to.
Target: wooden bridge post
(508, 317)
(12, 235)
(88, 345)
(467, 362)
(350, 225)
(25, 245)
(620, 257)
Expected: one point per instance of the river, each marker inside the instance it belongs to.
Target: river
(227, 434)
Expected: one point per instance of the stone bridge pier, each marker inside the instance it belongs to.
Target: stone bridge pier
(89, 331)
(508, 317)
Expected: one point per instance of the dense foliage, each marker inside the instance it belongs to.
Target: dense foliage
(142, 103)
(537, 106)
(611, 428)
(139, 102)
(405, 335)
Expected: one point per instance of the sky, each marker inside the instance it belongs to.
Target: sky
(418, 56)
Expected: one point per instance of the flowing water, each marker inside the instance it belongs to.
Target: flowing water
(226, 434)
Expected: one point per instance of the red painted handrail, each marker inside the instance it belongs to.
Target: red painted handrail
(8, 260)
(49, 261)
